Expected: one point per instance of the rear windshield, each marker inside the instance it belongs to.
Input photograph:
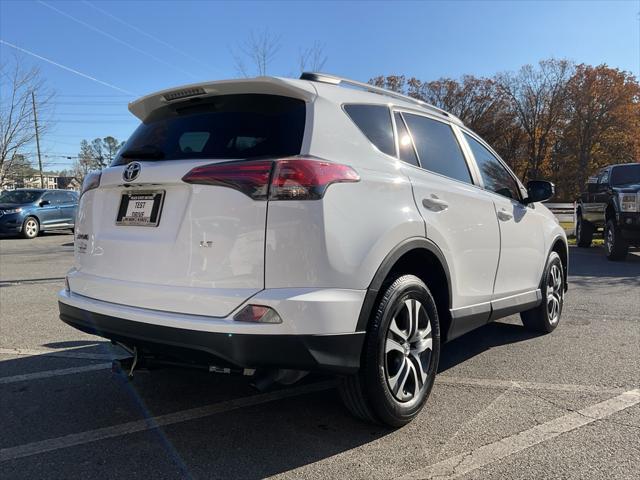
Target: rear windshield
(625, 175)
(221, 127)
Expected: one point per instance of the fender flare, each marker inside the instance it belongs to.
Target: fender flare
(414, 243)
(566, 270)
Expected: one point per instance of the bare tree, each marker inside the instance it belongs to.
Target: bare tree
(312, 58)
(16, 110)
(258, 51)
(95, 155)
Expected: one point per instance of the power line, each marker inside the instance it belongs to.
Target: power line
(64, 67)
(115, 39)
(90, 103)
(146, 34)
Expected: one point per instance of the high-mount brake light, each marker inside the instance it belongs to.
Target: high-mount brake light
(293, 178)
(91, 181)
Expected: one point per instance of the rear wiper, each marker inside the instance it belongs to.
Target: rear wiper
(146, 152)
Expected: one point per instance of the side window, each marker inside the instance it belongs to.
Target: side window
(375, 122)
(604, 178)
(69, 197)
(495, 176)
(437, 147)
(59, 198)
(48, 196)
(405, 144)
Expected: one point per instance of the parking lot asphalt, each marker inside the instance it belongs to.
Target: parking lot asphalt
(506, 403)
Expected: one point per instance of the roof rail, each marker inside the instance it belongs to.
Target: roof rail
(335, 80)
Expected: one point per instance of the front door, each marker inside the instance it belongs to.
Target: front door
(522, 244)
(49, 211)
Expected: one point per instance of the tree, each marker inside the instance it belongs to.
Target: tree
(312, 58)
(538, 99)
(16, 111)
(258, 50)
(603, 123)
(95, 155)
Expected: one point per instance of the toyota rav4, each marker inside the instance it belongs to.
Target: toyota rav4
(318, 224)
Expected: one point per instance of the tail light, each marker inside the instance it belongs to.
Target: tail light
(294, 178)
(91, 181)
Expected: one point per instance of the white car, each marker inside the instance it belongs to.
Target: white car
(318, 224)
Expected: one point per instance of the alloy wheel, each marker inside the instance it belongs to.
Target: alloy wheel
(408, 349)
(554, 294)
(31, 227)
(610, 240)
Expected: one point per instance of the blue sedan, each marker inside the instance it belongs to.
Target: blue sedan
(31, 211)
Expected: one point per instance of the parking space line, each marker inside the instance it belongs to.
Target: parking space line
(555, 387)
(53, 373)
(458, 465)
(62, 353)
(43, 446)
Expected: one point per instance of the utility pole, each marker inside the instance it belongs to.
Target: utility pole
(35, 121)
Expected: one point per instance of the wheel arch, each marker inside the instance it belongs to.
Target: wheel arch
(610, 213)
(420, 257)
(560, 246)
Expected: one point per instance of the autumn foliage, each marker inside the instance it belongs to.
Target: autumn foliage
(554, 120)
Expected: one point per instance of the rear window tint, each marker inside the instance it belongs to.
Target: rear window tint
(438, 149)
(405, 144)
(375, 122)
(222, 127)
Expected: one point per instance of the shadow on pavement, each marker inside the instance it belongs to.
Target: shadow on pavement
(484, 338)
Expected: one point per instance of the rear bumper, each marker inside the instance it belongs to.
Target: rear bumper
(338, 353)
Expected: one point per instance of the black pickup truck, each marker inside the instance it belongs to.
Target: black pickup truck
(611, 205)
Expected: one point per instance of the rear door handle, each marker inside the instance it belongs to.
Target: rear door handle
(434, 204)
(504, 215)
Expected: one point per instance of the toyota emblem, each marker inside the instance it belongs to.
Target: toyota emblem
(131, 172)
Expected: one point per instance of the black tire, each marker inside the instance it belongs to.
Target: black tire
(410, 366)
(584, 232)
(545, 317)
(30, 228)
(615, 246)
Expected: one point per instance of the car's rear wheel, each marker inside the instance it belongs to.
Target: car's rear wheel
(30, 228)
(584, 232)
(400, 356)
(615, 246)
(546, 316)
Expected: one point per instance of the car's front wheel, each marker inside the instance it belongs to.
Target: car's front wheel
(545, 317)
(615, 246)
(30, 228)
(400, 356)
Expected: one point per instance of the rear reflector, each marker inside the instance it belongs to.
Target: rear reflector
(257, 314)
(294, 178)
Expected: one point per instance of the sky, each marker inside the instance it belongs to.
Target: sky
(107, 53)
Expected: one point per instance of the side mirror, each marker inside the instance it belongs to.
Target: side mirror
(592, 187)
(44, 203)
(539, 191)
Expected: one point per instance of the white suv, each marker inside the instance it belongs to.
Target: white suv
(318, 224)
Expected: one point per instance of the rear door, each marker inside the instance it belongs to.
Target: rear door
(459, 217)
(159, 242)
(68, 204)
